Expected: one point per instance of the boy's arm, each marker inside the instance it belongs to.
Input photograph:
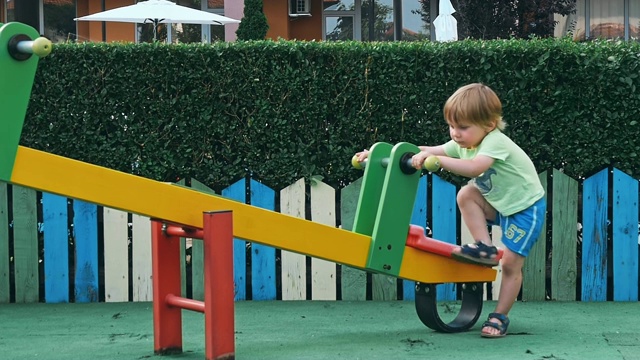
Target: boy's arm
(425, 151)
(469, 168)
(433, 150)
(418, 159)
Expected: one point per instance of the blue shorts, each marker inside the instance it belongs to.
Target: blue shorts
(522, 229)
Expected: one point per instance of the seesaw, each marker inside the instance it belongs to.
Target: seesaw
(377, 245)
(384, 210)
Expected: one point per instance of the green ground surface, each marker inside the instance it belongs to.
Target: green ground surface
(323, 330)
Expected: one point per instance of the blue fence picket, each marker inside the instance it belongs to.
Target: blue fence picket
(625, 237)
(85, 231)
(444, 224)
(418, 217)
(237, 192)
(595, 204)
(263, 257)
(56, 248)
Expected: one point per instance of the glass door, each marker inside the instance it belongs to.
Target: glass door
(340, 19)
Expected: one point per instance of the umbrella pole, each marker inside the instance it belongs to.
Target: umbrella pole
(155, 29)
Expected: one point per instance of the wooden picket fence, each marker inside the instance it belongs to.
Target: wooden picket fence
(55, 249)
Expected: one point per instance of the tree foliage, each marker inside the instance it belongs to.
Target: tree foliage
(504, 19)
(254, 24)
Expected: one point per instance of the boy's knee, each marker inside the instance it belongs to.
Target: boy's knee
(511, 262)
(467, 193)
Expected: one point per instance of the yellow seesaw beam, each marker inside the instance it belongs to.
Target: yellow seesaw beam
(75, 179)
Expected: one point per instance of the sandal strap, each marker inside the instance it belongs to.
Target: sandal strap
(502, 317)
(500, 327)
(480, 250)
(496, 326)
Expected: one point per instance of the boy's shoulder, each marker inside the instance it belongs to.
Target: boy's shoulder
(496, 136)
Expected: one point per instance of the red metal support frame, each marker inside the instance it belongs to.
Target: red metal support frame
(218, 288)
(218, 305)
(167, 319)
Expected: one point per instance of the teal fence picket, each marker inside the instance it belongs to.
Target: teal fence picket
(85, 234)
(263, 257)
(237, 191)
(595, 204)
(625, 237)
(55, 229)
(444, 224)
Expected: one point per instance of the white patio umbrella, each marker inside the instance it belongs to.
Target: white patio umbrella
(446, 25)
(158, 12)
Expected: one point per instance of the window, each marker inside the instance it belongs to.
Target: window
(603, 19)
(299, 7)
(340, 18)
(415, 21)
(215, 4)
(58, 20)
(378, 20)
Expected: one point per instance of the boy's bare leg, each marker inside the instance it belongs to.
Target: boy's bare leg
(512, 264)
(475, 211)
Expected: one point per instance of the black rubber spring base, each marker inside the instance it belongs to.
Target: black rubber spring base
(427, 307)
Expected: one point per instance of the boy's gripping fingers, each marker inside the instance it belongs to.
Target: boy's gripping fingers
(358, 158)
(418, 159)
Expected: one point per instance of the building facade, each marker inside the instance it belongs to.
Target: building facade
(364, 20)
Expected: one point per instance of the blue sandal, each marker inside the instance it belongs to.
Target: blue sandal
(500, 327)
(478, 253)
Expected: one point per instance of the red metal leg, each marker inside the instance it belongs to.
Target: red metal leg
(167, 319)
(218, 288)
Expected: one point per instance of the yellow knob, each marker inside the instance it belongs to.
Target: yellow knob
(355, 163)
(42, 46)
(432, 163)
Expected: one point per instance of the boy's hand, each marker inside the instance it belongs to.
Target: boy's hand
(418, 159)
(362, 155)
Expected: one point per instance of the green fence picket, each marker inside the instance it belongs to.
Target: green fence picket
(564, 240)
(535, 267)
(25, 245)
(353, 281)
(5, 291)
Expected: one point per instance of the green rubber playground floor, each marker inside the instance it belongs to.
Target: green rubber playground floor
(323, 330)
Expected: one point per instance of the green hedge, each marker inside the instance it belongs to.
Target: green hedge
(281, 110)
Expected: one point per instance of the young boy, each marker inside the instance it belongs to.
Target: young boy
(504, 190)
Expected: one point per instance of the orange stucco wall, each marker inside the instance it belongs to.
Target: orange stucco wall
(92, 30)
(308, 28)
(276, 12)
(300, 28)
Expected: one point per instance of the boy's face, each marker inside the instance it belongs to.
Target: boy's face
(466, 134)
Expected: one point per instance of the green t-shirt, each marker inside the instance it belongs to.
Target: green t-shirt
(511, 184)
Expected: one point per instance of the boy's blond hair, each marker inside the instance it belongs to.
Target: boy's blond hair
(477, 104)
